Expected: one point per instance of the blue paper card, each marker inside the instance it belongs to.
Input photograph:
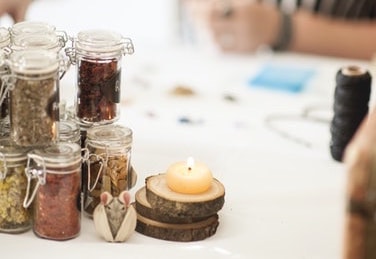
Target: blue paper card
(283, 78)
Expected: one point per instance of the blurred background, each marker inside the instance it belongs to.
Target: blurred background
(156, 24)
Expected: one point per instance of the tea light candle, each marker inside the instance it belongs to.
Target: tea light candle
(189, 177)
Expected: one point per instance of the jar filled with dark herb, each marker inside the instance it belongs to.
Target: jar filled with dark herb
(108, 164)
(98, 55)
(14, 218)
(34, 97)
(4, 96)
(55, 173)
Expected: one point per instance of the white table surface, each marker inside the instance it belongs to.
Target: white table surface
(283, 200)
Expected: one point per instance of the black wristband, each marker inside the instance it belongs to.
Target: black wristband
(284, 34)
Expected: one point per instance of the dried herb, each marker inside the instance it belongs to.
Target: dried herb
(113, 179)
(56, 210)
(33, 112)
(14, 218)
(98, 90)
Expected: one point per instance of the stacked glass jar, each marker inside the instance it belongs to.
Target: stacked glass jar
(51, 183)
(50, 145)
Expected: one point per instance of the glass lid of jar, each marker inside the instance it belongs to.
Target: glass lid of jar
(33, 61)
(4, 37)
(34, 27)
(37, 41)
(110, 134)
(99, 40)
(59, 154)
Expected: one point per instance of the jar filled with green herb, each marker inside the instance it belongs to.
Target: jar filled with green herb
(55, 174)
(34, 97)
(4, 96)
(97, 55)
(14, 218)
(108, 163)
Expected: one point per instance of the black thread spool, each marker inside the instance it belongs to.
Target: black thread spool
(351, 97)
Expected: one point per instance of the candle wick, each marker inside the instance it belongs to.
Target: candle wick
(189, 168)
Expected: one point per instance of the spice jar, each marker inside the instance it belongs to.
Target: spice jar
(69, 131)
(55, 171)
(35, 27)
(14, 218)
(108, 164)
(38, 41)
(4, 96)
(34, 97)
(97, 55)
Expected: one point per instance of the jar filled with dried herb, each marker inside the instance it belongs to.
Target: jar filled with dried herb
(98, 55)
(14, 218)
(108, 164)
(55, 173)
(4, 96)
(34, 97)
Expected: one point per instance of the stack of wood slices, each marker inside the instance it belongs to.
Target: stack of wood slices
(165, 214)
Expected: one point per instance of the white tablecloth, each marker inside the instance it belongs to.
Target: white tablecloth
(283, 199)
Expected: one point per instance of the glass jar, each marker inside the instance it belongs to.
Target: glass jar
(38, 41)
(97, 55)
(4, 96)
(69, 131)
(35, 27)
(108, 166)
(55, 171)
(34, 97)
(14, 218)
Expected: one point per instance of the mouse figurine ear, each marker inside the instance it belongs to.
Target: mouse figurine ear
(125, 198)
(101, 222)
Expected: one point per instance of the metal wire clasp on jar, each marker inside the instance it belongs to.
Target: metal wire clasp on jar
(55, 173)
(97, 55)
(33, 85)
(108, 166)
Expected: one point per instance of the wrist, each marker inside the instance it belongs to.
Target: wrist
(285, 32)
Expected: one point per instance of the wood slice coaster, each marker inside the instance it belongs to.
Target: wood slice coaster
(144, 208)
(180, 205)
(177, 232)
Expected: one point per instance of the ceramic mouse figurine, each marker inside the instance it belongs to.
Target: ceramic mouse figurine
(114, 219)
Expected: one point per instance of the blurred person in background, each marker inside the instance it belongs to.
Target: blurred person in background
(16, 9)
(342, 28)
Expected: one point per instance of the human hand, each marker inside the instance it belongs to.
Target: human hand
(240, 25)
(15, 8)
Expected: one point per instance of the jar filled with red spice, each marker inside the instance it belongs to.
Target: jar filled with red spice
(14, 218)
(108, 163)
(97, 55)
(34, 96)
(55, 174)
